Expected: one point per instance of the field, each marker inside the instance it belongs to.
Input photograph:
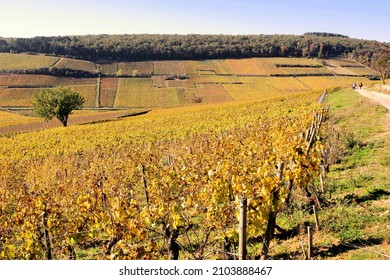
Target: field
(88, 92)
(23, 121)
(318, 83)
(145, 83)
(208, 94)
(108, 89)
(168, 184)
(131, 182)
(24, 61)
(82, 65)
(32, 81)
(135, 68)
(111, 156)
(9, 119)
(350, 67)
(222, 67)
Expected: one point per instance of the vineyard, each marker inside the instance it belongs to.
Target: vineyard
(168, 184)
(156, 84)
(24, 61)
(23, 121)
(124, 187)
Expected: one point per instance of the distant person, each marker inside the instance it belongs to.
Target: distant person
(353, 86)
(360, 85)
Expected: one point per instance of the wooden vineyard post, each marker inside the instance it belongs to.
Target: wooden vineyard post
(316, 217)
(322, 183)
(303, 250)
(242, 229)
(310, 243)
(144, 184)
(97, 98)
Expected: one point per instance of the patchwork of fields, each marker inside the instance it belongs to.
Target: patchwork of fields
(176, 83)
(162, 84)
(121, 189)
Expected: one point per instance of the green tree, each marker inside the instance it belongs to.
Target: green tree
(381, 63)
(57, 102)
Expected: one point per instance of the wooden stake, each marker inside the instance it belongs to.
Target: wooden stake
(144, 184)
(310, 243)
(322, 184)
(303, 250)
(242, 229)
(316, 217)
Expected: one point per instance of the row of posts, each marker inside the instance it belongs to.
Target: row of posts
(242, 252)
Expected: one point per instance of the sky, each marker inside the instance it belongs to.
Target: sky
(368, 19)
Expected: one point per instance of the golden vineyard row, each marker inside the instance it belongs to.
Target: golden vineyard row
(136, 188)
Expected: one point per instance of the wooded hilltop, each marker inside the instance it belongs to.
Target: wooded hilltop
(100, 48)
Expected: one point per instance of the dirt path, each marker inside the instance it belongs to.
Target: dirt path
(383, 99)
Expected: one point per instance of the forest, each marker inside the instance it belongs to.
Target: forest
(107, 48)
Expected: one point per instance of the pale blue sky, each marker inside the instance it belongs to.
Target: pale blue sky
(368, 19)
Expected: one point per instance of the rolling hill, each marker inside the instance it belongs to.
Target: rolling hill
(153, 84)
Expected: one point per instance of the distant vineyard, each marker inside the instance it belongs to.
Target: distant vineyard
(11, 119)
(152, 83)
(23, 61)
(82, 65)
(11, 122)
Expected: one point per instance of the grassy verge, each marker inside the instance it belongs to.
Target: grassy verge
(355, 223)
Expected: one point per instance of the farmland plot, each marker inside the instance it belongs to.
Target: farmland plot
(222, 67)
(129, 90)
(88, 92)
(41, 81)
(201, 67)
(305, 70)
(108, 89)
(10, 61)
(8, 119)
(76, 64)
(16, 96)
(209, 93)
(136, 68)
(167, 68)
(321, 83)
(110, 69)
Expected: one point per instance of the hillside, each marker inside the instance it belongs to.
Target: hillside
(124, 182)
(152, 84)
(195, 47)
(167, 182)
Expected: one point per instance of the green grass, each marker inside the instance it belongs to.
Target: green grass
(361, 181)
(355, 220)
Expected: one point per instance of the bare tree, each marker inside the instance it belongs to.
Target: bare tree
(381, 63)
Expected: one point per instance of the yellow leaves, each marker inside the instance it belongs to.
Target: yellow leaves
(38, 204)
(84, 201)
(232, 234)
(175, 220)
(86, 204)
(97, 190)
(145, 217)
(71, 241)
